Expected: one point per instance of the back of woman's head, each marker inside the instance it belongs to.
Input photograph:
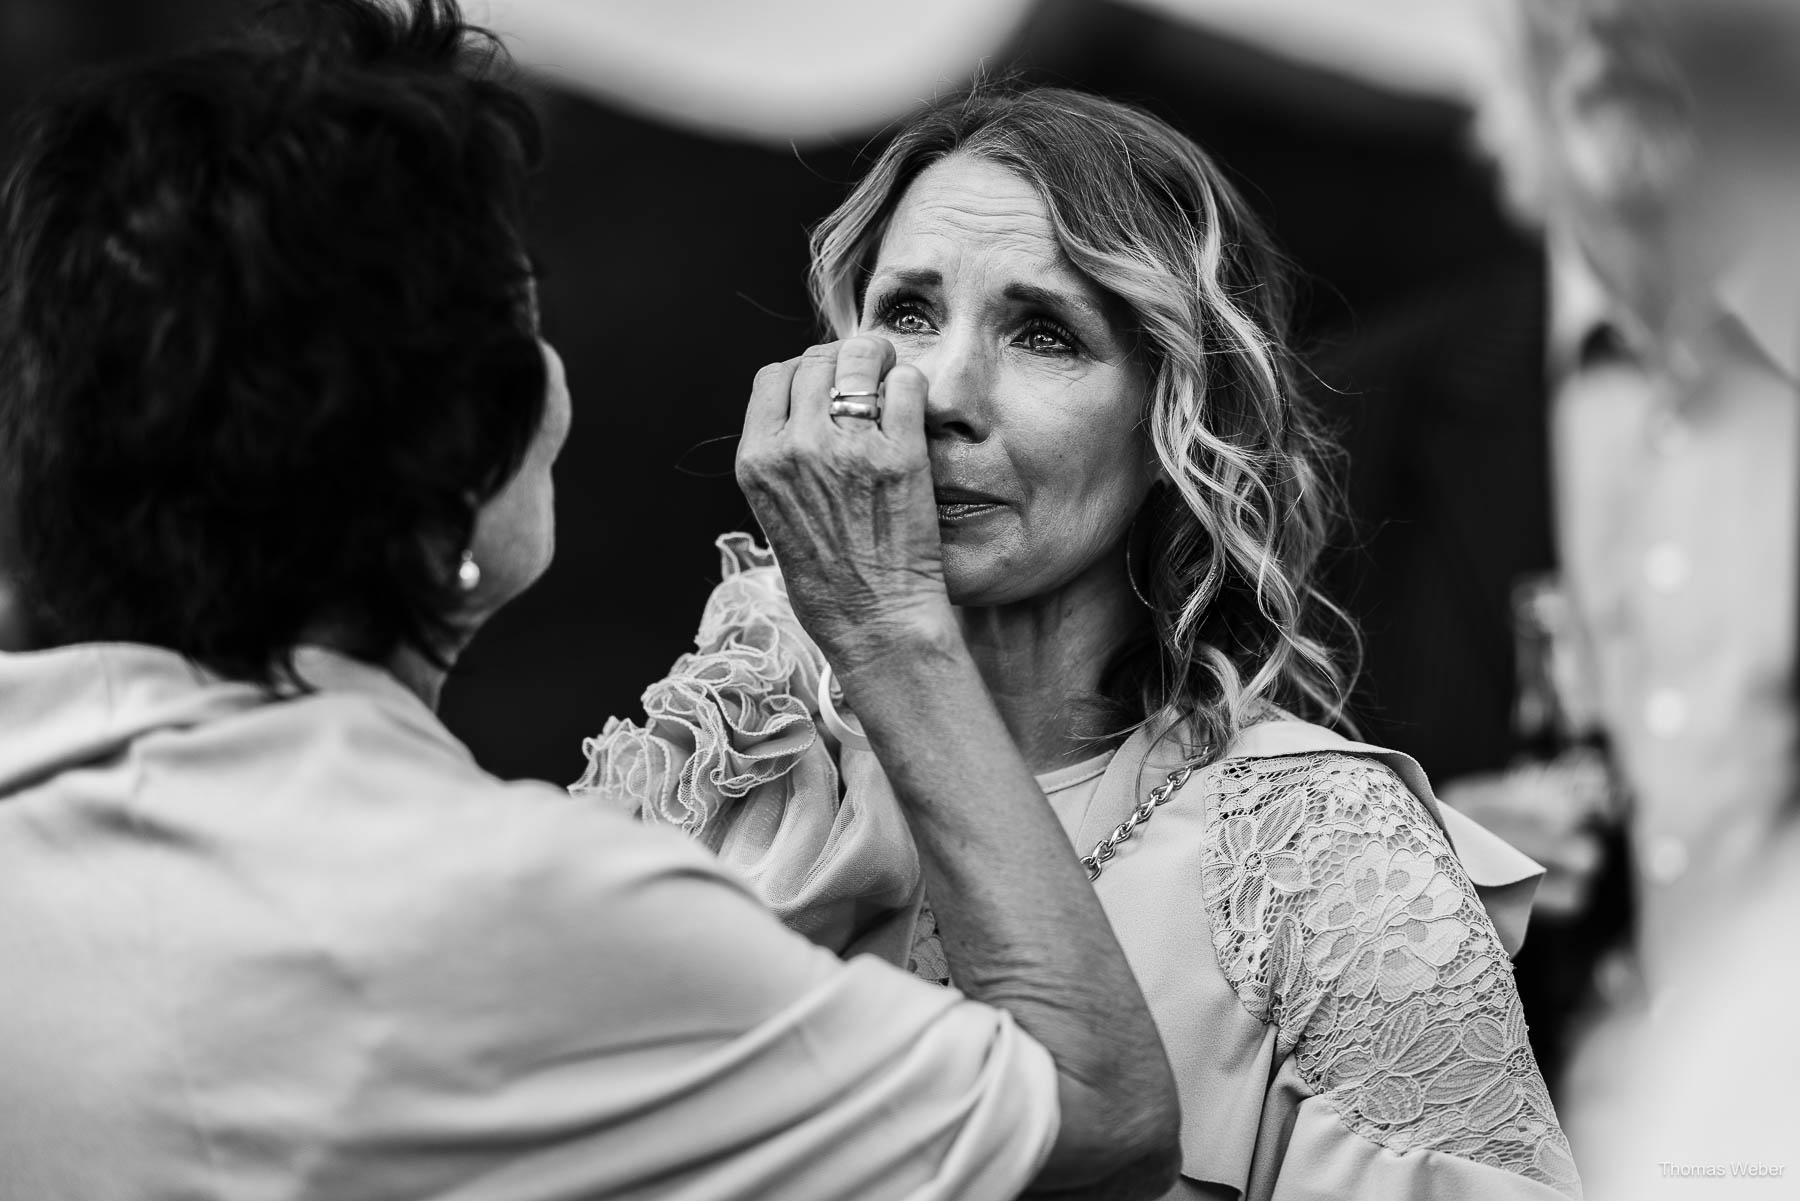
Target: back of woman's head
(1228, 546)
(266, 336)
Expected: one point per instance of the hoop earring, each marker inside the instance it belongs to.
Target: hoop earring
(468, 572)
(1208, 585)
(1130, 575)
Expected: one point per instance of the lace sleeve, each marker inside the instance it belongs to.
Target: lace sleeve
(1342, 917)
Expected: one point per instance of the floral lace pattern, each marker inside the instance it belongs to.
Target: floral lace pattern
(926, 959)
(732, 716)
(1342, 917)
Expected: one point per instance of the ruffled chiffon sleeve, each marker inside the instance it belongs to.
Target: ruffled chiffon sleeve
(731, 751)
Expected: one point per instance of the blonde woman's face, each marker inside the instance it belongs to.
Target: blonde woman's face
(1035, 417)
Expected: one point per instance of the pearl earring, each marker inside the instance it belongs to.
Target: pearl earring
(468, 572)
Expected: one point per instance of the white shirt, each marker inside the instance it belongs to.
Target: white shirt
(1674, 469)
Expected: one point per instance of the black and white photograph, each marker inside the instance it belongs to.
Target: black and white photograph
(822, 600)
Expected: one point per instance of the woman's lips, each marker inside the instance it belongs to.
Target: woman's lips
(950, 514)
(964, 504)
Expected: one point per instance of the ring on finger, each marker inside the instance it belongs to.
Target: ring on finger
(855, 408)
(845, 404)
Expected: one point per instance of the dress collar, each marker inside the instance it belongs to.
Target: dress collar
(333, 673)
(325, 670)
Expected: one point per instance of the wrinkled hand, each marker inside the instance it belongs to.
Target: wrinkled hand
(1546, 810)
(846, 502)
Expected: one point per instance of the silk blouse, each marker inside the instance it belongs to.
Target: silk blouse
(1323, 945)
(302, 948)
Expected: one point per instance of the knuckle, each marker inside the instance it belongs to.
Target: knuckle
(802, 453)
(758, 461)
(863, 350)
(890, 468)
(825, 352)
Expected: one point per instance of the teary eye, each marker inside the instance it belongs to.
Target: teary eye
(1044, 336)
(903, 315)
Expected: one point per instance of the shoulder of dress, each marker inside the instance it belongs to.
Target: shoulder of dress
(1287, 833)
(1344, 786)
(1342, 918)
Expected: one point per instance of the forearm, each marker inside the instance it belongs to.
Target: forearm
(1020, 924)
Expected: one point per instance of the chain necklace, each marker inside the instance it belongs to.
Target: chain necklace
(1107, 847)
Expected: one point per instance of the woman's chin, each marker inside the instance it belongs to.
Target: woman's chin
(978, 578)
(969, 577)
(962, 593)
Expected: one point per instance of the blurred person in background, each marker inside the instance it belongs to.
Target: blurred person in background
(277, 426)
(1064, 373)
(1577, 477)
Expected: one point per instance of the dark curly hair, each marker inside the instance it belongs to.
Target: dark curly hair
(267, 340)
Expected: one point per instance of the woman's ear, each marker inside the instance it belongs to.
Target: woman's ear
(1159, 472)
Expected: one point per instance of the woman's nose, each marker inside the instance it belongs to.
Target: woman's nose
(961, 377)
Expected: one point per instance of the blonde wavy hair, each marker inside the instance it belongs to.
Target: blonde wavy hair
(1229, 547)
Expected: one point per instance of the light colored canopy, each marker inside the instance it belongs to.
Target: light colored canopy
(803, 71)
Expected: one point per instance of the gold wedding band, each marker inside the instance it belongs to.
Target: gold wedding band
(838, 393)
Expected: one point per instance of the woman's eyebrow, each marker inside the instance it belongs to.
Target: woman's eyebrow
(918, 277)
(1049, 298)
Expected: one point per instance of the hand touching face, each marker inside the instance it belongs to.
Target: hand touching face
(846, 500)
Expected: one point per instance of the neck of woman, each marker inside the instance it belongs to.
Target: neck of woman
(420, 675)
(407, 664)
(1043, 658)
